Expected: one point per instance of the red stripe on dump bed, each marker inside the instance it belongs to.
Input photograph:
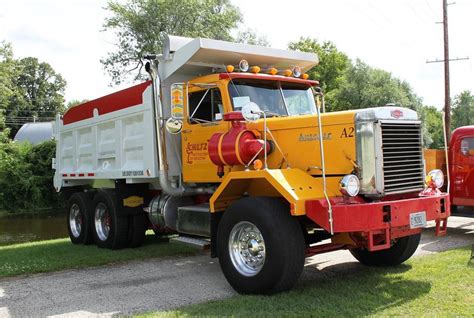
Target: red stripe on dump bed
(119, 100)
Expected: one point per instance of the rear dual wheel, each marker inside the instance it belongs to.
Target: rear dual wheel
(110, 228)
(96, 219)
(79, 218)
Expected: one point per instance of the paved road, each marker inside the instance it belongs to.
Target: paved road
(159, 284)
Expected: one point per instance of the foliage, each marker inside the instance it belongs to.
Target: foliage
(138, 25)
(75, 102)
(4, 131)
(7, 70)
(26, 176)
(249, 36)
(463, 110)
(28, 88)
(432, 127)
(363, 86)
(55, 255)
(332, 62)
(430, 286)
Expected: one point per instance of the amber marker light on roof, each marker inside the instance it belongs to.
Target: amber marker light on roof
(255, 69)
(272, 71)
(230, 68)
(287, 73)
(304, 76)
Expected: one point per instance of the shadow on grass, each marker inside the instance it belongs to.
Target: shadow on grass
(354, 291)
(61, 254)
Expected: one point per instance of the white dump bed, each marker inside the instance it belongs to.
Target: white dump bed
(108, 138)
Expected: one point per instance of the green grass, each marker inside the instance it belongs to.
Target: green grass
(435, 285)
(54, 255)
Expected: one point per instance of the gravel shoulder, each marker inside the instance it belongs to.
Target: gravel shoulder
(161, 284)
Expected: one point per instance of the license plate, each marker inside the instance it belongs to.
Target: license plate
(417, 219)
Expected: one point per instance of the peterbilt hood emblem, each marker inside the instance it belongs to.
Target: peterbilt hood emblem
(396, 113)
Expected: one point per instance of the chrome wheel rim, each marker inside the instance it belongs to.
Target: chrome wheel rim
(247, 248)
(75, 220)
(102, 221)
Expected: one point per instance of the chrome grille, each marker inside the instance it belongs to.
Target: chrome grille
(403, 168)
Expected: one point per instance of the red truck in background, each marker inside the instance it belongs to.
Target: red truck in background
(461, 165)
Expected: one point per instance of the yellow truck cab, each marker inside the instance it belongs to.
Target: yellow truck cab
(228, 145)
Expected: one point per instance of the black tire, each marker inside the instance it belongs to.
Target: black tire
(283, 242)
(137, 229)
(79, 218)
(110, 229)
(400, 251)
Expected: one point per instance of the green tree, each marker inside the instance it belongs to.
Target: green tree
(7, 73)
(463, 110)
(363, 86)
(249, 36)
(432, 127)
(26, 176)
(28, 89)
(332, 63)
(75, 102)
(138, 25)
(38, 90)
(4, 131)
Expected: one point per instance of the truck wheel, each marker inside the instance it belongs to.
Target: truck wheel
(137, 229)
(260, 246)
(79, 214)
(110, 229)
(402, 250)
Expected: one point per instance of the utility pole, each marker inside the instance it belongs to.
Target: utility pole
(446, 60)
(447, 98)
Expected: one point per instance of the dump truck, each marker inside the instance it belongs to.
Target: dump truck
(230, 144)
(460, 175)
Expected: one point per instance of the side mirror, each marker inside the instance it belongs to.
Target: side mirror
(251, 112)
(174, 126)
(177, 93)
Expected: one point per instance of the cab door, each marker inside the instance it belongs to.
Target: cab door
(203, 117)
(463, 172)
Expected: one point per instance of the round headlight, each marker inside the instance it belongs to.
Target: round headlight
(436, 177)
(243, 65)
(349, 185)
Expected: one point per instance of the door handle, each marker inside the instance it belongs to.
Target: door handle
(187, 131)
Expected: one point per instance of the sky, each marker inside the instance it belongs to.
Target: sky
(398, 36)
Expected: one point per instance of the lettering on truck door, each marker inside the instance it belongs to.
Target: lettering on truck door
(204, 118)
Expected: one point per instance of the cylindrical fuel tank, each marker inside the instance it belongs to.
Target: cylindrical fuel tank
(163, 211)
(238, 146)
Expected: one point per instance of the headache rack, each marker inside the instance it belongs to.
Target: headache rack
(402, 156)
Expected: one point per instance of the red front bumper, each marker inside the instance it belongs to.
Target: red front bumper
(392, 218)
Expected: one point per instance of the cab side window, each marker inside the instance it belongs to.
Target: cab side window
(205, 106)
(467, 146)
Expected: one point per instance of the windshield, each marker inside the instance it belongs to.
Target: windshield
(273, 97)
